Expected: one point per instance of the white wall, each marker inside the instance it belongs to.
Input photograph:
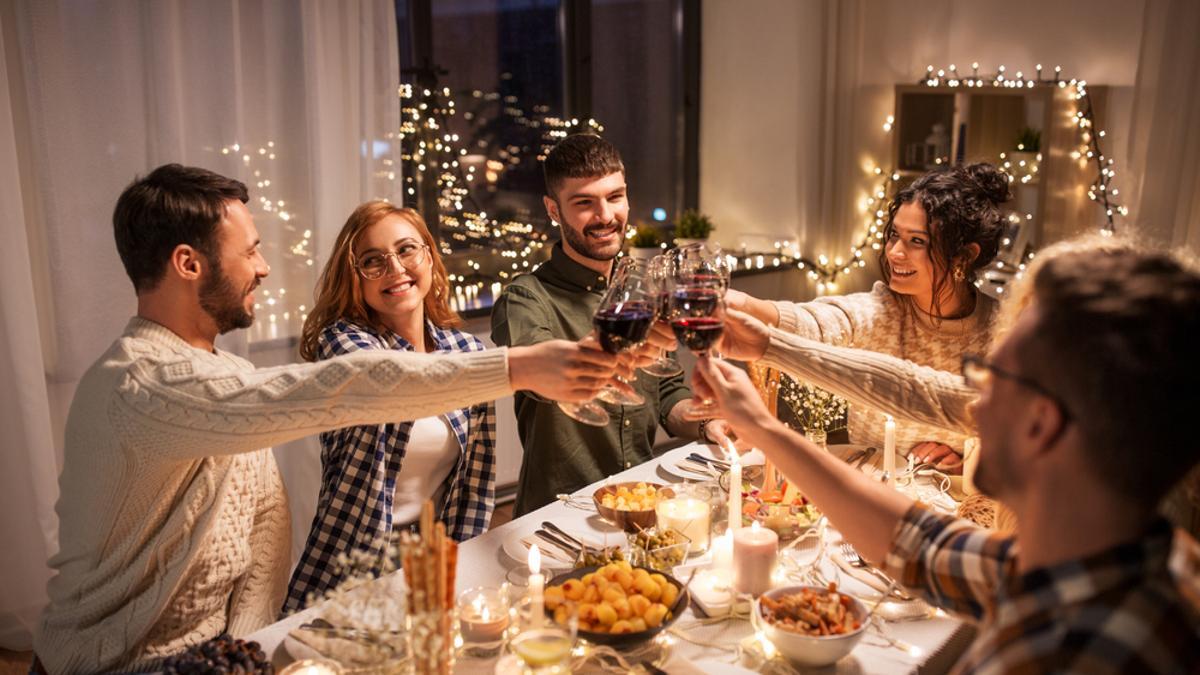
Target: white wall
(793, 94)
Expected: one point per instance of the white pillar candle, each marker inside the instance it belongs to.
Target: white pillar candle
(691, 516)
(889, 449)
(755, 549)
(536, 582)
(735, 492)
(722, 548)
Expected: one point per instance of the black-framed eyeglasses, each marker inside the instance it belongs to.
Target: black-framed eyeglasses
(374, 265)
(978, 372)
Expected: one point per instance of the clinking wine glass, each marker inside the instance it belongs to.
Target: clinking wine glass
(702, 264)
(660, 276)
(698, 319)
(623, 322)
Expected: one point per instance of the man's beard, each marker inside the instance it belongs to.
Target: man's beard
(220, 300)
(581, 244)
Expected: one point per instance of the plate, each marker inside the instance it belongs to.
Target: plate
(517, 550)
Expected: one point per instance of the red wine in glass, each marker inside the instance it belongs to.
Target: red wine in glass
(694, 301)
(698, 334)
(624, 326)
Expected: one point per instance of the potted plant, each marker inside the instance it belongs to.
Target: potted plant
(692, 227)
(646, 242)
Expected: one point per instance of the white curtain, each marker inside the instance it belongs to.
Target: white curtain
(95, 94)
(1164, 141)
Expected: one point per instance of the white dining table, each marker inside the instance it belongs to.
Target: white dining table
(926, 645)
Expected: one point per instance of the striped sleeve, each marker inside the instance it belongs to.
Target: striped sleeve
(950, 562)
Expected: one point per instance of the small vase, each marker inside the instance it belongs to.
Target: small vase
(818, 437)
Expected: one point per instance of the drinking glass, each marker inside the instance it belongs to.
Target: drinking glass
(660, 275)
(698, 319)
(623, 321)
(543, 641)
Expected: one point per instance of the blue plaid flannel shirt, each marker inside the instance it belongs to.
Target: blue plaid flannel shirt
(360, 465)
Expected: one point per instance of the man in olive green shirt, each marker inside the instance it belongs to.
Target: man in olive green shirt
(585, 181)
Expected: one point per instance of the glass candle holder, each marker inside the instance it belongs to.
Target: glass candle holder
(690, 513)
(543, 640)
(483, 620)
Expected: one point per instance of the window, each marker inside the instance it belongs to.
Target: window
(503, 79)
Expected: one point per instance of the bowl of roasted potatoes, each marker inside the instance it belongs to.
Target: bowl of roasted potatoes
(617, 604)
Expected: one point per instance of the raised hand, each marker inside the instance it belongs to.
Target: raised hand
(736, 398)
(745, 338)
(561, 370)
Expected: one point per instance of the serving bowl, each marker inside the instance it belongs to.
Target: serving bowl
(809, 650)
(630, 521)
(627, 639)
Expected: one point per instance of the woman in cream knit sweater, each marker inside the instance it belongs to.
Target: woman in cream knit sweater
(173, 519)
(939, 231)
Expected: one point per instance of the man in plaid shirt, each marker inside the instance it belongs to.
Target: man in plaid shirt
(1099, 369)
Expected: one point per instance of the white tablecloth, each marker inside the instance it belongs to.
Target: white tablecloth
(482, 562)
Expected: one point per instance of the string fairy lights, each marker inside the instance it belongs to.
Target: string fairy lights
(255, 164)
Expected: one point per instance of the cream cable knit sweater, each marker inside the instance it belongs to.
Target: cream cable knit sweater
(874, 321)
(173, 520)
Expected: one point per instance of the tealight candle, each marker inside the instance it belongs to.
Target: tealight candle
(889, 449)
(484, 615)
(536, 582)
(755, 549)
(690, 516)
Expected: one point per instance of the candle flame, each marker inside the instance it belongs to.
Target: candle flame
(535, 560)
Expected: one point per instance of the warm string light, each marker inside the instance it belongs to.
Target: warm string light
(1101, 190)
(431, 150)
(257, 162)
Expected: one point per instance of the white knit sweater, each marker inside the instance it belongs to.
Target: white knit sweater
(173, 520)
(874, 321)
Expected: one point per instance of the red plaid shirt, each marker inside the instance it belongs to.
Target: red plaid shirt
(1117, 611)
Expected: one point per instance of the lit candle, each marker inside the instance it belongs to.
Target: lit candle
(723, 553)
(755, 549)
(689, 515)
(889, 449)
(735, 492)
(480, 623)
(536, 582)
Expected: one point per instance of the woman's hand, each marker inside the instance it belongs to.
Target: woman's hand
(763, 310)
(561, 370)
(736, 398)
(941, 456)
(744, 337)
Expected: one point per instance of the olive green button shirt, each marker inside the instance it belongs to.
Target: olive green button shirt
(557, 300)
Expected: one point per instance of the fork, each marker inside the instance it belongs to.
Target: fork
(852, 557)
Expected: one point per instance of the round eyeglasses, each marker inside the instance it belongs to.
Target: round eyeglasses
(374, 264)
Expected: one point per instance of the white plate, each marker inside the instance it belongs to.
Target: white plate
(516, 549)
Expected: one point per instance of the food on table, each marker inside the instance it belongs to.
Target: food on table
(615, 599)
(641, 497)
(658, 548)
(811, 612)
(598, 557)
(220, 655)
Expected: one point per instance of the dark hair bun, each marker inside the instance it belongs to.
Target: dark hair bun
(992, 183)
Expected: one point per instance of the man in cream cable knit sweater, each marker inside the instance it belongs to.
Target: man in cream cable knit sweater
(173, 517)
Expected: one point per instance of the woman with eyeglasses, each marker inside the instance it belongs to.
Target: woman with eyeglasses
(938, 232)
(385, 287)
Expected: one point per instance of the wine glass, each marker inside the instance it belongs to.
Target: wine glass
(703, 264)
(698, 319)
(623, 321)
(660, 275)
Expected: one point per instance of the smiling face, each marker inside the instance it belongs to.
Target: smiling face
(227, 292)
(593, 213)
(909, 254)
(400, 291)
